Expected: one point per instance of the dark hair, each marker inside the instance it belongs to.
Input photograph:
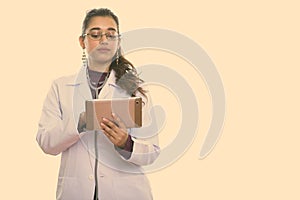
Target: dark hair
(126, 74)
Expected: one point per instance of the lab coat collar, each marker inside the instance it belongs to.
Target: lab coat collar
(81, 82)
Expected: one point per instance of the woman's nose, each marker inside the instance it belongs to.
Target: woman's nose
(103, 39)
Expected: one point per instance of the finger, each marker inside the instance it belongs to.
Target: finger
(110, 123)
(119, 121)
(115, 130)
(108, 131)
(109, 136)
(114, 138)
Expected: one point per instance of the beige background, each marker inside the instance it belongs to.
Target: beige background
(255, 46)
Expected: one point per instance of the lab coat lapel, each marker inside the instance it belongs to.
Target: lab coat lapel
(82, 88)
(81, 92)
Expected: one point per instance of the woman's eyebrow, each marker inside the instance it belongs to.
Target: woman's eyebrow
(111, 29)
(98, 28)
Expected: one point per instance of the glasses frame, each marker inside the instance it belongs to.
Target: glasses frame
(115, 37)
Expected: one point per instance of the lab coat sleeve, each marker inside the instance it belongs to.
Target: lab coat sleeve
(144, 152)
(145, 139)
(56, 131)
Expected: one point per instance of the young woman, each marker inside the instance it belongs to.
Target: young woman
(104, 164)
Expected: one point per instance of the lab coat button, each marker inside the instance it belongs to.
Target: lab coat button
(91, 177)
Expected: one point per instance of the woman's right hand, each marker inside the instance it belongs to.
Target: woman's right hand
(82, 122)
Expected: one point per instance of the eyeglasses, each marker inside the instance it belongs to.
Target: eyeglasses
(97, 35)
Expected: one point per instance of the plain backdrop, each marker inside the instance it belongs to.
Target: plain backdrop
(255, 48)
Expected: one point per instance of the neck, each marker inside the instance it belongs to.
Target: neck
(99, 67)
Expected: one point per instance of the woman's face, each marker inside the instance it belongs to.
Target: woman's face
(103, 49)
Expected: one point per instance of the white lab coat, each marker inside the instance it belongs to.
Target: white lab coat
(119, 178)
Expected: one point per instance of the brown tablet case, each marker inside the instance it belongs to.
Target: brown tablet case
(129, 110)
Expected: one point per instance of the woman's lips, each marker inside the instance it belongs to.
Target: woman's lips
(103, 49)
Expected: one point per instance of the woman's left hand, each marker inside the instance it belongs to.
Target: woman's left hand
(115, 131)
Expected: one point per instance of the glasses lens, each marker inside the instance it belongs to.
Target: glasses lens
(97, 35)
(111, 36)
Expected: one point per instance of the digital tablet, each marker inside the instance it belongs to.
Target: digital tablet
(129, 110)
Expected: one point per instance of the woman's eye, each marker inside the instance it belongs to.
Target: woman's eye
(111, 36)
(95, 35)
